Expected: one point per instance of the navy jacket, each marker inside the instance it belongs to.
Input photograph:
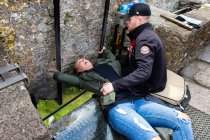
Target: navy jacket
(147, 63)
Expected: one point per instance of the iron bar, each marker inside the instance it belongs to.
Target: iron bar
(58, 109)
(103, 33)
(58, 46)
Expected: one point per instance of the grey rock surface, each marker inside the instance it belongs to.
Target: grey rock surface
(205, 56)
(191, 69)
(169, 5)
(173, 5)
(203, 78)
(181, 45)
(197, 75)
(19, 120)
(199, 70)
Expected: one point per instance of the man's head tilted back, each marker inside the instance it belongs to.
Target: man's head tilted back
(137, 15)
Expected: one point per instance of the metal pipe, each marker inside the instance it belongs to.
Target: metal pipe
(58, 46)
(103, 33)
(114, 45)
(122, 40)
(55, 111)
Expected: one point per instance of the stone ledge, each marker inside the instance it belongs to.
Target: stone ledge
(19, 120)
(182, 45)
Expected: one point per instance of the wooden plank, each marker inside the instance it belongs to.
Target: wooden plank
(182, 24)
(183, 10)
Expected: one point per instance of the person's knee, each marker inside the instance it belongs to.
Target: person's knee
(156, 138)
(183, 117)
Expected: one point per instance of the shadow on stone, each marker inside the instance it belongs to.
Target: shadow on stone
(46, 89)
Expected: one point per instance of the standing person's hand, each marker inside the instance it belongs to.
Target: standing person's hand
(107, 88)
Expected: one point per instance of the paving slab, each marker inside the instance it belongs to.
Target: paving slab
(200, 97)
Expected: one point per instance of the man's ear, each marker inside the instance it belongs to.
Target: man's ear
(141, 20)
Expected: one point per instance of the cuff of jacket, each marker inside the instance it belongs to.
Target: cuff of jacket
(56, 76)
(108, 99)
(115, 86)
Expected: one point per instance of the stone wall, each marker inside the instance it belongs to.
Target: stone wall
(27, 37)
(182, 45)
(81, 23)
(169, 5)
(33, 37)
(173, 5)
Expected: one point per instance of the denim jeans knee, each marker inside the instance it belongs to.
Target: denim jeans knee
(126, 121)
(161, 116)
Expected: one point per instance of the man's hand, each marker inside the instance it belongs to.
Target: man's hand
(107, 88)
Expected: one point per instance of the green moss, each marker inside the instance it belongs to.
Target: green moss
(45, 107)
(66, 18)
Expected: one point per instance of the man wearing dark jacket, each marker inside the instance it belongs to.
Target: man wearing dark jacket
(147, 75)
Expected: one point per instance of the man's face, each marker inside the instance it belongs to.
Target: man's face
(133, 22)
(83, 65)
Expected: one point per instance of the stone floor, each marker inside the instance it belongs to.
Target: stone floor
(197, 75)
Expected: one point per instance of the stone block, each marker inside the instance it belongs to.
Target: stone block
(19, 120)
(181, 45)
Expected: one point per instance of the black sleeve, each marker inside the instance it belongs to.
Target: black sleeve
(144, 61)
(123, 59)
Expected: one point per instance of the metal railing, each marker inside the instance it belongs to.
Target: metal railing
(58, 56)
(61, 107)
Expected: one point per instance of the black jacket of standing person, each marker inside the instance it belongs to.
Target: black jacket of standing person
(147, 73)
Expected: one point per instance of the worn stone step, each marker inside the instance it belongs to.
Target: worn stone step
(191, 69)
(203, 78)
(205, 55)
(200, 97)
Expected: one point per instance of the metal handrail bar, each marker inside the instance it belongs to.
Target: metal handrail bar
(58, 109)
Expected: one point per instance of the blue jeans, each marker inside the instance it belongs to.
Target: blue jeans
(135, 120)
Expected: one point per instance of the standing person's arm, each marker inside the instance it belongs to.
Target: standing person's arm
(144, 55)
